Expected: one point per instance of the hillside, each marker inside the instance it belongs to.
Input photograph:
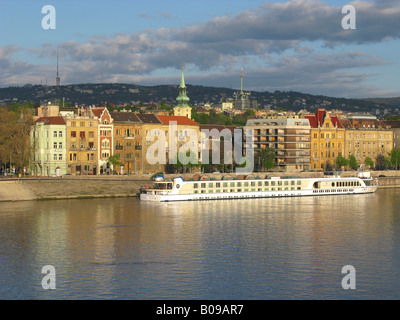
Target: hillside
(130, 94)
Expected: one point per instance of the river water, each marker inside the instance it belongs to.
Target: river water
(239, 249)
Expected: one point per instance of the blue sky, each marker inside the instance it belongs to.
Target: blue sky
(294, 45)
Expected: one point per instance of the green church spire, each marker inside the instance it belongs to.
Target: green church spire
(182, 99)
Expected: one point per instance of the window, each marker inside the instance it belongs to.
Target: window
(91, 134)
(60, 134)
(73, 134)
(54, 157)
(55, 134)
(82, 134)
(60, 145)
(55, 145)
(60, 157)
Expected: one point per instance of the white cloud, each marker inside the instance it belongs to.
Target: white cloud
(276, 39)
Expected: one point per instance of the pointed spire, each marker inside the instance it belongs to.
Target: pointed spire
(182, 80)
(182, 99)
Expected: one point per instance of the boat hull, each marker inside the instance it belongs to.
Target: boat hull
(254, 195)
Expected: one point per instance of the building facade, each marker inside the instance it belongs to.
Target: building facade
(290, 137)
(48, 141)
(127, 142)
(82, 142)
(105, 134)
(327, 139)
(366, 136)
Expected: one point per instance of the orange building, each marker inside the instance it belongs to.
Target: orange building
(128, 142)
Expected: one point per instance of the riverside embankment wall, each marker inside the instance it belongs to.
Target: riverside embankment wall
(70, 187)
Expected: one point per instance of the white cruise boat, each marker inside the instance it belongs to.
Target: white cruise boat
(180, 190)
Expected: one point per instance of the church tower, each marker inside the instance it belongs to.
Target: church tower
(183, 109)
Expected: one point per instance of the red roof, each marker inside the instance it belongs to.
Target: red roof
(97, 111)
(51, 120)
(317, 119)
(180, 120)
(312, 120)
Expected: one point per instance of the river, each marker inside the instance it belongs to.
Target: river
(240, 249)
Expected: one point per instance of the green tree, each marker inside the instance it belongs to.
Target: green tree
(368, 162)
(192, 161)
(15, 147)
(249, 112)
(380, 162)
(353, 162)
(114, 160)
(266, 157)
(341, 161)
(394, 157)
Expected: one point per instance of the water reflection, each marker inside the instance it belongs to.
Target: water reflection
(229, 249)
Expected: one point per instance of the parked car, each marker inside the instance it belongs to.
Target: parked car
(158, 174)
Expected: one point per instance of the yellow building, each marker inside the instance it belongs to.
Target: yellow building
(82, 143)
(327, 139)
(367, 137)
(183, 111)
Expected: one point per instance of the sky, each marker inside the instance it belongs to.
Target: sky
(297, 45)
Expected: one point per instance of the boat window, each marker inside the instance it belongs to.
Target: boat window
(260, 183)
(239, 184)
(292, 182)
(298, 182)
(211, 185)
(272, 183)
(246, 184)
(203, 185)
(225, 184)
(218, 185)
(286, 183)
(253, 184)
(266, 183)
(232, 184)
(333, 184)
(195, 185)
